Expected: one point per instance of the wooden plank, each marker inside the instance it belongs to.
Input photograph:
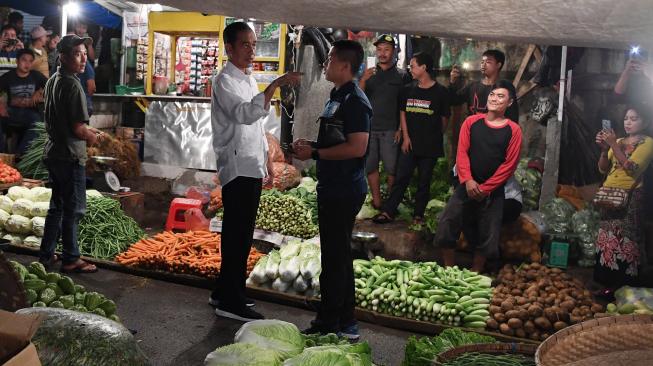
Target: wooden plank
(276, 297)
(538, 54)
(524, 64)
(551, 160)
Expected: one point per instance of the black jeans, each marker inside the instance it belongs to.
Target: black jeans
(405, 167)
(336, 218)
(240, 199)
(67, 207)
(479, 221)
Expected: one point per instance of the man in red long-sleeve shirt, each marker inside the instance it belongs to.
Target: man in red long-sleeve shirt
(488, 154)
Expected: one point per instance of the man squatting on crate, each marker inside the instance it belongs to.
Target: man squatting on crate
(237, 114)
(488, 154)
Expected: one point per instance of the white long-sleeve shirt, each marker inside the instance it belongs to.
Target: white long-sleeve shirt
(238, 112)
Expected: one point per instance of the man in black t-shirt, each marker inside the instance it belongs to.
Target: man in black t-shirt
(423, 116)
(474, 94)
(383, 85)
(23, 91)
(341, 189)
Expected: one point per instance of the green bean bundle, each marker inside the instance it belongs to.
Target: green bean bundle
(31, 163)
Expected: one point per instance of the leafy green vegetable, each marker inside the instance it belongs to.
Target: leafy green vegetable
(242, 354)
(282, 337)
(334, 355)
(422, 351)
(313, 340)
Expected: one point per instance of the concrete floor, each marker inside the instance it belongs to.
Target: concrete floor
(176, 326)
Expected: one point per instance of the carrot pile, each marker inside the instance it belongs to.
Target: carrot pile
(191, 252)
(9, 174)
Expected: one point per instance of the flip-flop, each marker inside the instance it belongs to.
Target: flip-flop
(382, 218)
(78, 267)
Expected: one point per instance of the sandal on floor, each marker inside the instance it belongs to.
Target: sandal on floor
(79, 267)
(382, 218)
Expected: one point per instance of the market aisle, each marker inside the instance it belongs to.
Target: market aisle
(177, 327)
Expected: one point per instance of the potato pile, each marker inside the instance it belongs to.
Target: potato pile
(534, 301)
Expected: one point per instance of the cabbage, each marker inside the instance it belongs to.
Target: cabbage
(40, 194)
(32, 241)
(272, 266)
(280, 285)
(22, 207)
(4, 216)
(17, 192)
(40, 209)
(300, 284)
(311, 267)
(13, 239)
(38, 226)
(289, 269)
(333, 355)
(308, 184)
(6, 203)
(290, 250)
(258, 273)
(93, 193)
(367, 212)
(242, 354)
(309, 250)
(18, 224)
(315, 283)
(282, 337)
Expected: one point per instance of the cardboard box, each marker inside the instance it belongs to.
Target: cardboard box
(16, 331)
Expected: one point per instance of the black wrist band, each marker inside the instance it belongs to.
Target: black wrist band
(315, 154)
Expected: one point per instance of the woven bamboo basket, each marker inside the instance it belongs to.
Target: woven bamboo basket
(613, 341)
(490, 348)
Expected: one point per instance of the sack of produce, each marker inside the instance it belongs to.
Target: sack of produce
(285, 176)
(71, 338)
(521, 240)
(274, 149)
(282, 337)
(632, 300)
(242, 354)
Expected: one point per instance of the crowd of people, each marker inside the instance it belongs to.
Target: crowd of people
(27, 60)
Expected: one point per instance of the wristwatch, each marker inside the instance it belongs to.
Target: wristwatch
(315, 154)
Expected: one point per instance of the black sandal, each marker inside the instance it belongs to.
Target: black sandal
(382, 218)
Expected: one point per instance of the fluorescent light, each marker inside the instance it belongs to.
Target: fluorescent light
(466, 65)
(156, 7)
(72, 9)
(634, 50)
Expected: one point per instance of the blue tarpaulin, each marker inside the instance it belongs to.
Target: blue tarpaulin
(92, 12)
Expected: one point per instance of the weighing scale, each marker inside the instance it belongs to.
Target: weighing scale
(104, 179)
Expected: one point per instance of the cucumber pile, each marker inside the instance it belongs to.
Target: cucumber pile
(53, 290)
(423, 291)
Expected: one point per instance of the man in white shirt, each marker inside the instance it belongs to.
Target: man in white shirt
(238, 111)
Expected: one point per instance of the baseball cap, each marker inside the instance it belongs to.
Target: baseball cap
(38, 32)
(70, 41)
(385, 38)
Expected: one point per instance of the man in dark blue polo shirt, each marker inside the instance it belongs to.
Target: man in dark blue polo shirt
(341, 189)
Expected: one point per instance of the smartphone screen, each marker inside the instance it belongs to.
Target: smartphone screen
(606, 124)
(371, 62)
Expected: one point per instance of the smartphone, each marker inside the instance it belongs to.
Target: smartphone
(606, 124)
(371, 62)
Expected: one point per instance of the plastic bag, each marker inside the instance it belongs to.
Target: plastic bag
(198, 193)
(195, 220)
(630, 295)
(558, 213)
(585, 224)
(70, 338)
(274, 149)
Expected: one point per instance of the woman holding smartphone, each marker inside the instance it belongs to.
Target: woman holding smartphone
(619, 245)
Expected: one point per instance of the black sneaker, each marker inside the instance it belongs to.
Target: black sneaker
(248, 302)
(318, 329)
(243, 314)
(350, 332)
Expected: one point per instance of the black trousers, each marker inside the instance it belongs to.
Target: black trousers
(240, 199)
(479, 221)
(336, 218)
(406, 165)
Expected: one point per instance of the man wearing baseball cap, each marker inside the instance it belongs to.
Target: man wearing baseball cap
(66, 117)
(39, 40)
(383, 84)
